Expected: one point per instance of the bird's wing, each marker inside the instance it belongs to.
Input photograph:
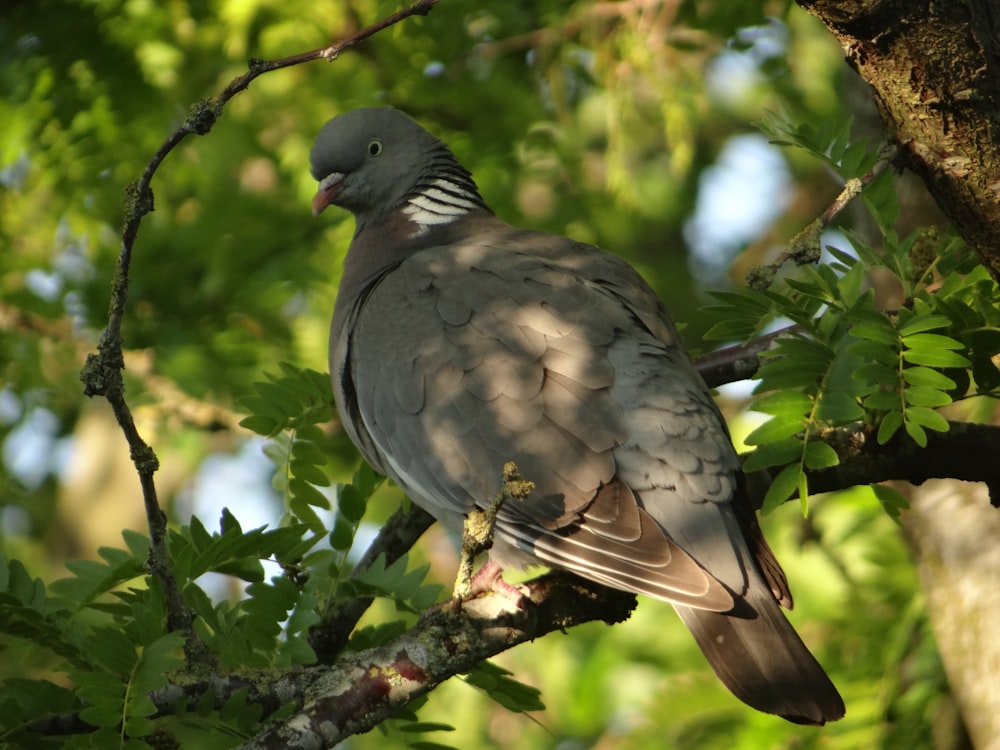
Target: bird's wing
(527, 347)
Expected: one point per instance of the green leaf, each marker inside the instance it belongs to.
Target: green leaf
(351, 503)
(921, 323)
(776, 428)
(819, 455)
(892, 500)
(309, 472)
(890, 424)
(279, 398)
(916, 432)
(229, 523)
(852, 284)
(509, 693)
(426, 726)
(920, 395)
(874, 351)
(101, 716)
(880, 333)
(931, 341)
(838, 406)
(782, 487)
(140, 726)
(777, 453)
(112, 649)
(925, 417)
(407, 589)
(307, 451)
(305, 492)
(303, 512)
(371, 636)
(342, 536)
(137, 543)
(924, 376)
(935, 357)
(262, 425)
(247, 569)
(882, 401)
(783, 402)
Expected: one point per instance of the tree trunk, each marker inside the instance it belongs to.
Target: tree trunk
(934, 70)
(953, 531)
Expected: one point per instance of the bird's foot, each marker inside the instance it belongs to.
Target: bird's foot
(489, 580)
(477, 537)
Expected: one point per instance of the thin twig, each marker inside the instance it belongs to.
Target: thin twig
(740, 361)
(804, 248)
(102, 372)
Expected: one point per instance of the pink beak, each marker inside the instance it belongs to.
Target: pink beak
(329, 188)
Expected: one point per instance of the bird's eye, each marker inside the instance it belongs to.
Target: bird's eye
(374, 147)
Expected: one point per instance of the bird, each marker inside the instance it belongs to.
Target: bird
(460, 342)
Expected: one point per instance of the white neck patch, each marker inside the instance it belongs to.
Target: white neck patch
(440, 203)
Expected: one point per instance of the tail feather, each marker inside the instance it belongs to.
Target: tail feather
(758, 655)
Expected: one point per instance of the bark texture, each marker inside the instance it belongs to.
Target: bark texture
(953, 532)
(934, 70)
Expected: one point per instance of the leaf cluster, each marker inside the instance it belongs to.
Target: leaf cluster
(287, 409)
(103, 629)
(844, 361)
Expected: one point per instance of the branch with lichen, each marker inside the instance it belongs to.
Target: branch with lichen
(477, 531)
(805, 247)
(367, 687)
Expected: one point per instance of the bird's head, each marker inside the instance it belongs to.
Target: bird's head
(377, 160)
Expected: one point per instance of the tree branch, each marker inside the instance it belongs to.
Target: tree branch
(400, 532)
(738, 362)
(365, 688)
(805, 247)
(102, 372)
(956, 454)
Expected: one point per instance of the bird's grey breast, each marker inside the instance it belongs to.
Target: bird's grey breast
(470, 355)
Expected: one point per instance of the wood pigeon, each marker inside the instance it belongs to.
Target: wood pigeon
(460, 342)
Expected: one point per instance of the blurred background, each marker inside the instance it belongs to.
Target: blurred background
(626, 124)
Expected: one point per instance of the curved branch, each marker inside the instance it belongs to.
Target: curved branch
(102, 372)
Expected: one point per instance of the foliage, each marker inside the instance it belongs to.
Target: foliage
(600, 121)
(847, 361)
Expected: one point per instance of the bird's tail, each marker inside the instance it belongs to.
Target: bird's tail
(758, 655)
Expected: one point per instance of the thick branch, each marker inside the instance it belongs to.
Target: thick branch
(365, 688)
(959, 453)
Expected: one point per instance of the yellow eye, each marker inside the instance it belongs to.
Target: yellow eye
(374, 147)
